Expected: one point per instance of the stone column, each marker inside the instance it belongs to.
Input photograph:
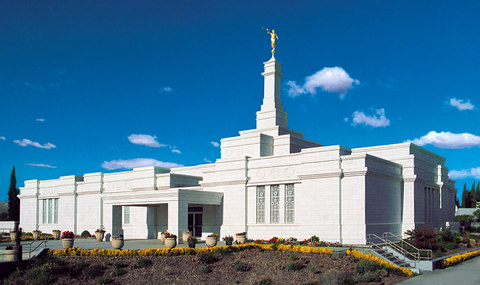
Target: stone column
(177, 218)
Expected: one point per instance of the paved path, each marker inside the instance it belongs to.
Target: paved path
(465, 273)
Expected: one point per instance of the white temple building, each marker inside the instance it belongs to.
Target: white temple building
(269, 181)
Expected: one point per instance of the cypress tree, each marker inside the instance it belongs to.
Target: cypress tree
(472, 196)
(464, 196)
(477, 192)
(13, 201)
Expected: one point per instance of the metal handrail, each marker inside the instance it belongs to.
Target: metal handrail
(44, 242)
(417, 254)
(30, 245)
(384, 242)
(376, 245)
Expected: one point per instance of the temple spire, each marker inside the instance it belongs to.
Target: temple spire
(271, 113)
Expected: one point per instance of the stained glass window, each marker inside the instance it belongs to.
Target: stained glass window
(260, 204)
(126, 215)
(289, 204)
(55, 211)
(44, 211)
(274, 204)
(49, 211)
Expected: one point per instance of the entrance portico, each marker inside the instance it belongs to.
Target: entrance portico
(146, 214)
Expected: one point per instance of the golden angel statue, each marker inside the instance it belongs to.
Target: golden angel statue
(273, 37)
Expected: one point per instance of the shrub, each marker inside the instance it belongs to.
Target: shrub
(93, 271)
(367, 266)
(446, 234)
(14, 276)
(119, 264)
(463, 218)
(315, 239)
(477, 213)
(78, 268)
(265, 281)
(423, 238)
(42, 278)
(368, 277)
(313, 269)
(105, 280)
(207, 258)
(143, 262)
(333, 277)
(450, 245)
(119, 272)
(296, 265)
(85, 234)
(240, 266)
(205, 269)
(55, 269)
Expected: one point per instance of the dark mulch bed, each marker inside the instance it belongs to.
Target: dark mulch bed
(246, 267)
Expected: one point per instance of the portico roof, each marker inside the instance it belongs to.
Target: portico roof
(164, 196)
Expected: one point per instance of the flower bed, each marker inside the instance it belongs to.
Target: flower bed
(224, 249)
(380, 261)
(292, 241)
(456, 259)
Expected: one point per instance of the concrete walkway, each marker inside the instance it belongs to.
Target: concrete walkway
(465, 273)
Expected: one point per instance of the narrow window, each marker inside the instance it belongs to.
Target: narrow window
(275, 204)
(44, 211)
(260, 204)
(126, 215)
(289, 204)
(55, 211)
(49, 211)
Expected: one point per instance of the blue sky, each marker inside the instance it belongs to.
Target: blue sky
(89, 86)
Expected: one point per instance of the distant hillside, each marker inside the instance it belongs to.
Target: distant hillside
(3, 206)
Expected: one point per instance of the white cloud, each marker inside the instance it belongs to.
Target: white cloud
(207, 160)
(461, 104)
(2, 138)
(448, 140)
(329, 79)
(26, 142)
(167, 89)
(40, 165)
(137, 162)
(40, 120)
(465, 173)
(376, 120)
(215, 144)
(147, 140)
(174, 150)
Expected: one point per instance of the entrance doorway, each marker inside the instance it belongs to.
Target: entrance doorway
(195, 220)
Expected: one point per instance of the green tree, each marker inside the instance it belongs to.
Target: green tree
(465, 197)
(477, 192)
(472, 196)
(13, 201)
